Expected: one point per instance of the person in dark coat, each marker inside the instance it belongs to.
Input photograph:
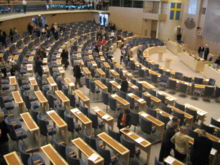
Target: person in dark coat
(4, 149)
(206, 52)
(201, 149)
(41, 53)
(123, 119)
(38, 66)
(77, 75)
(166, 145)
(124, 85)
(64, 56)
(200, 51)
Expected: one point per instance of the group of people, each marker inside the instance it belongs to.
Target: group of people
(203, 52)
(3, 36)
(7, 67)
(177, 139)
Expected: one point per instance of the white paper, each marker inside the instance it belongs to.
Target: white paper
(129, 133)
(119, 86)
(53, 84)
(140, 100)
(31, 78)
(213, 151)
(201, 113)
(49, 112)
(60, 50)
(96, 109)
(114, 95)
(170, 160)
(71, 84)
(144, 115)
(78, 112)
(106, 116)
(130, 94)
(74, 110)
(139, 140)
(93, 157)
(12, 77)
(111, 81)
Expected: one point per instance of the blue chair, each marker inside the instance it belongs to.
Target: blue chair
(45, 128)
(211, 82)
(180, 106)
(84, 110)
(90, 141)
(209, 91)
(171, 84)
(95, 122)
(17, 134)
(72, 99)
(70, 123)
(60, 146)
(106, 154)
(157, 162)
(183, 88)
(105, 99)
(198, 80)
(131, 101)
(162, 118)
(193, 113)
(145, 125)
(75, 161)
(179, 116)
(207, 128)
(215, 122)
(131, 146)
(217, 92)
(113, 104)
(114, 135)
(134, 119)
(178, 75)
(151, 112)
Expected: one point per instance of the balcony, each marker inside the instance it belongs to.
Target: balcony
(155, 16)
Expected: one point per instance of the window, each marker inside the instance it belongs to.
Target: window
(192, 6)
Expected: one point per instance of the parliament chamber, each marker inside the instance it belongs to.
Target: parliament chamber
(81, 83)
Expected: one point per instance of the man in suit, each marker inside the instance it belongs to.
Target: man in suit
(200, 51)
(206, 52)
(124, 85)
(201, 149)
(77, 74)
(123, 119)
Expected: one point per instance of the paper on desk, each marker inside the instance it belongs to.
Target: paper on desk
(49, 112)
(31, 78)
(96, 109)
(213, 151)
(144, 115)
(114, 95)
(74, 110)
(53, 84)
(130, 94)
(93, 157)
(170, 160)
(140, 100)
(139, 140)
(71, 84)
(119, 86)
(201, 113)
(106, 116)
(129, 133)
(60, 50)
(111, 81)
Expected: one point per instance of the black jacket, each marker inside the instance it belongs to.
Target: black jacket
(124, 86)
(77, 71)
(127, 123)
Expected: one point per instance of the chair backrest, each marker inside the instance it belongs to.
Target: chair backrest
(151, 112)
(179, 116)
(166, 109)
(105, 154)
(211, 81)
(84, 110)
(60, 147)
(134, 118)
(24, 155)
(112, 104)
(69, 121)
(42, 124)
(105, 98)
(90, 141)
(94, 119)
(163, 118)
(207, 128)
(114, 135)
(180, 106)
(128, 144)
(209, 91)
(215, 122)
(217, 91)
(157, 162)
(146, 126)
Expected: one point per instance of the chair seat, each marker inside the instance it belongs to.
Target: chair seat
(20, 134)
(5, 86)
(7, 98)
(4, 81)
(25, 87)
(35, 104)
(51, 130)
(9, 105)
(35, 159)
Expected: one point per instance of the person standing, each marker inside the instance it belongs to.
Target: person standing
(180, 141)
(30, 28)
(3, 68)
(4, 149)
(64, 56)
(123, 119)
(77, 75)
(24, 2)
(166, 145)
(200, 51)
(206, 52)
(201, 149)
(38, 66)
(124, 85)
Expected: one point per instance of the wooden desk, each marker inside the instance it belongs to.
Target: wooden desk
(92, 156)
(127, 74)
(163, 113)
(42, 99)
(62, 71)
(116, 146)
(157, 123)
(125, 104)
(93, 64)
(106, 65)
(100, 72)
(187, 116)
(172, 161)
(69, 83)
(114, 73)
(86, 122)
(116, 85)
(52, 83)
(156, 100)
(105, 117)
(31, 126)
(201, 113)
(63, 98)
(30, 59)
(132, 86)
(59, 122)
(12, 159)
(18, 100)
(44, 61)
(101, 86)
(209, 136)
(85, 100)
(117, 65)
(147, 85)
(86, 71)
(171, 99)
(33, 83)
(141, 102)
(141, 142)
(46, 70)
(53, 155)
(13, 82)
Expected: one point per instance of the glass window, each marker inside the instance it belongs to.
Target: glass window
(138, 4)
(192, 7)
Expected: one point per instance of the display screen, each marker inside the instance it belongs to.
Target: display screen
(103, 19)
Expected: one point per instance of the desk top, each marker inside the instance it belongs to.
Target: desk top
(147, 85)
(56, 119)
(17, 97)
(12, 159)
(82, 117)
(29, 122)
(172, 161)
(12, 80)
(51, 81)
(86, 71)
(120, 100)
(53, 155)
(101, 85)
(209, 136)
(102, 114)
(113, 143)
(186, 115)
(136, 138)
(83, 97)
(87, 151)
(199, 111)
(106, 65)
(163, 113)
(69, 82)
(100, 72)
(33, 81)
(62, 96)
(114, 73)
(136, 98)
(41, 97)
(152, 119)
(154, 98)
(199, 86)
